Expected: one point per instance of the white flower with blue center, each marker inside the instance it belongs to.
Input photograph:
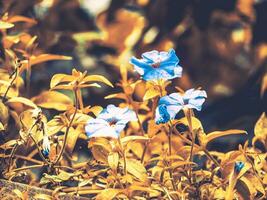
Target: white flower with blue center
(170, 105)
(46, 145)
(110, 122)
(156, 65)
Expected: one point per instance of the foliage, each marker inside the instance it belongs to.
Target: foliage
(137, 149)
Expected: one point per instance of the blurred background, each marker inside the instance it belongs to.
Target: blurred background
(222, 46)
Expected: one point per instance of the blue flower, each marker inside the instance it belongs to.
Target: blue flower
(110, 122)
(238, 166)
(156, 65)
(46, 145)
(170, 105)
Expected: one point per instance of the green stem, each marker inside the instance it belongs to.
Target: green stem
(68, 128)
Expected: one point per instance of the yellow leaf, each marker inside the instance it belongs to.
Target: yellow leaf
(97, 78)
(196, 123)
(20, 104)
(116, 96)
(113, 160)
(130, 138)
(135, 168)
(95, 110)
(216, 134)
(5, 25)
(151, 93)
(260, 129)
(61, 78)
(47, 57)
(53, 100)
(72, 139)
(42, 197)
(179, 164)
(19, 194)
(108, 194)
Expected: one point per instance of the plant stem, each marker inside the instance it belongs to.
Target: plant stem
(29, 167)
(123, 156)
(28, 77)
(197, 146)
(80, 98)
(144, 152)
(170, 140)
(188, 114)
(68, 128)
(11, 156)
(10, 84)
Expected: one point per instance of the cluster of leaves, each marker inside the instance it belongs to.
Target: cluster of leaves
(147, 161)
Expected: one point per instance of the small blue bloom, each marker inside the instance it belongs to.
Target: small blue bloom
(170, 105)
(156, 65)
(46, 145)
(110, 122)
(238, 166)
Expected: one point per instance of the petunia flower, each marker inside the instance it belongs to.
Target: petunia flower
(110, 122)
(46, 145)
(170, 105)
(156, 65)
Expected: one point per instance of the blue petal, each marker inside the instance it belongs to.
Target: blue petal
(45, 152)
(162, 115)
(141, 66)
(156, 74)
(239, 166)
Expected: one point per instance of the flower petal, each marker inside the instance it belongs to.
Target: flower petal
(94, 125)
(162, 115)
(140, 65)
(106, 131)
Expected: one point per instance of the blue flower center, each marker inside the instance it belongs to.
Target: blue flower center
(186, 101)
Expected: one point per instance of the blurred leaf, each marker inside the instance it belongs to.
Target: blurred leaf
(5, 25)
(47, 57)
(53, 100)
(264, 85)
(19, 18)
